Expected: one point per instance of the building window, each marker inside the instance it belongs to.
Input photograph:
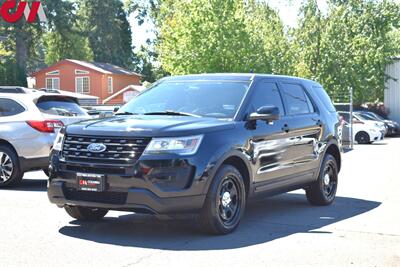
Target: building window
(82, 85)
(110, 85)
(56, 72)
(53, 83)
(81, 72)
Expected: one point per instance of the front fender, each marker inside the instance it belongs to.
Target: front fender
(220, 158)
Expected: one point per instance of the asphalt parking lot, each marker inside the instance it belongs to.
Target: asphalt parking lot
(362, 228)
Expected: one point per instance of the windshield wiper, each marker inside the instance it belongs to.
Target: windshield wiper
(172, 113)
(126, 113)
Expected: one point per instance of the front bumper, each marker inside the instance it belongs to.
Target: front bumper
(376, 136)
(134, 199)
(158, 186)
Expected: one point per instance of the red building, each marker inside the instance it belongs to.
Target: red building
(97, 79)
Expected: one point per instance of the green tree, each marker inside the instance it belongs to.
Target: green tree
(220, 36)
(349, 47)
(25, 41)
(62, 38)
(108, 30)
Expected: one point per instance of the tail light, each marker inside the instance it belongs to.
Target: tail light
(47, 126)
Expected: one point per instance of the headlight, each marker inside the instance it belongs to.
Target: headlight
(178, 145)
(58, 142)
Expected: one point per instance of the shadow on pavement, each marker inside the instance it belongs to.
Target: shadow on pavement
(32, 185)
(264, 221)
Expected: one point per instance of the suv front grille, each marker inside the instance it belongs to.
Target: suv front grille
(119, 150)
(107, 197)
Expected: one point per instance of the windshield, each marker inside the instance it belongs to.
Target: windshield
(63, 107)
(209, 99)
(376, 116)
(366, 117)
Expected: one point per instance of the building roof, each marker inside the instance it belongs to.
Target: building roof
(129, 87)
(105, 68)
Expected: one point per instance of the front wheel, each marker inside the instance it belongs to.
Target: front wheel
(85, 213)
(10, 172)
(362, 138)
(225, 202)
(323, 191)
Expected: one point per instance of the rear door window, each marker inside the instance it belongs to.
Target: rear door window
(60, 107)
(9, 107)
(325, 99)
(297, 101)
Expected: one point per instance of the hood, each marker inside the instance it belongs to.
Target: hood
(149, 126)
(375, 124)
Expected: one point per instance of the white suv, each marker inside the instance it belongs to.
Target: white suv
(29, 122)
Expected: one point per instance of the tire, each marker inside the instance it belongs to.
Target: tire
(225, 202)
(85, 213)
(10, 171)
(323, 191)
(362, 137)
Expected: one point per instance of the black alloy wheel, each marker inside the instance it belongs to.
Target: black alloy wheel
(323, 191)
(225, 202)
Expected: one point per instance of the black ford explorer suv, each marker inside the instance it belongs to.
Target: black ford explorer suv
(201, 144)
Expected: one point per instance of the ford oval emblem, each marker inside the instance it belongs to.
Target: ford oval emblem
(96, 148)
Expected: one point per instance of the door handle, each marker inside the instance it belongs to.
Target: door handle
(285, 128)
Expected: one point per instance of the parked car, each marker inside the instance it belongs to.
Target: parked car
(364, 132)
(203, 144)
(362, 117)
(29, 122)
(392, 126)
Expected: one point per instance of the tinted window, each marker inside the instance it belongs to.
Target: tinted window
(324, 98)
(62, 107)
(217, 99)
(296, 99)
(267, 94)
(9, 107)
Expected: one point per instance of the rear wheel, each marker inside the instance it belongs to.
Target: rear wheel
(10, 173)
(362, 138)
(323, 191)
(85, 213)
(225, 202)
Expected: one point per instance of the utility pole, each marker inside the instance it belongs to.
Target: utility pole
(351, 118)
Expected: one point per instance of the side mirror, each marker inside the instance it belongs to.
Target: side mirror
(116, 109)
(266, 113)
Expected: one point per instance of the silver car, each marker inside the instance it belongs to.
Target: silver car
(29, 123)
